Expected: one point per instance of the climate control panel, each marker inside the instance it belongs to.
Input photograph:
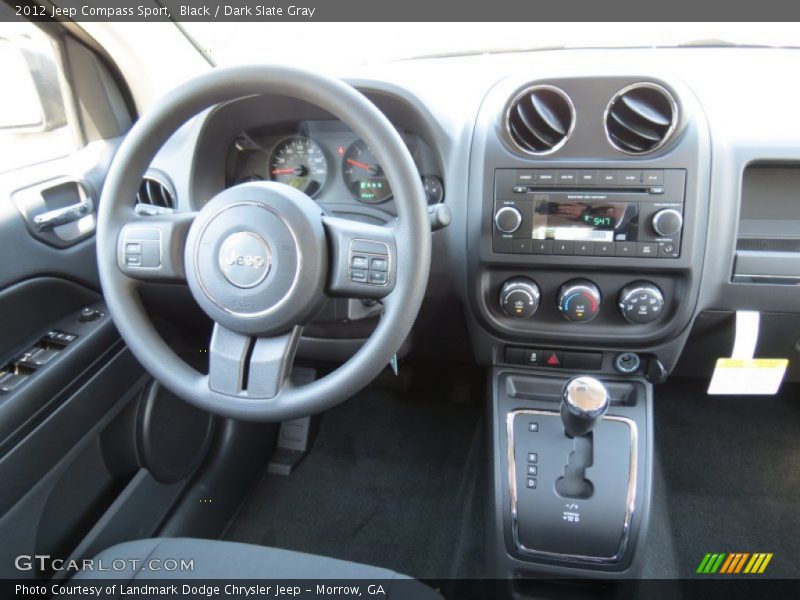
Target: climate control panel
(580, 300)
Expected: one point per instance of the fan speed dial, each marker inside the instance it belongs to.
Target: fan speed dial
(519, 297)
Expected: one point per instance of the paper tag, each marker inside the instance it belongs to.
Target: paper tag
(748, 376)
(747, 324)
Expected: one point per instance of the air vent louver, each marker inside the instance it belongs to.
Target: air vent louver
(155, 193)
(540, 119)
(640, 118)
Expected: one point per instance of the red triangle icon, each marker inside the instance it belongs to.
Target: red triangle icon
(552, 360)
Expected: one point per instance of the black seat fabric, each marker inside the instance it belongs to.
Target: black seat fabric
(230, 560)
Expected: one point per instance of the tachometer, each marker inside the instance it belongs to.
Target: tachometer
(363, 175)
(299, 162)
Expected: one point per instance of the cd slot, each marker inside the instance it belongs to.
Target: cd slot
(560, 190)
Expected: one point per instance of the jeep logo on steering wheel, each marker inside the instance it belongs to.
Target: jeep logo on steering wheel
(245, 259)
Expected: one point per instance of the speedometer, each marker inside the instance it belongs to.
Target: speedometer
(364, 176)
(299, 162)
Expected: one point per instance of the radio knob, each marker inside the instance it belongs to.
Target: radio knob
(641, 302)
(508, 219)
(579, 300)
(667, 222)
(519, 297)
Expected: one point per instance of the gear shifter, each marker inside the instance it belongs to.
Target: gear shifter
(584, 401)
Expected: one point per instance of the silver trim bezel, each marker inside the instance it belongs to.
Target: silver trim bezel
(676, 115)
(630, 506)
(528, 90)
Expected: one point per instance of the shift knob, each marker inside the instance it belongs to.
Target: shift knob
(583, 402)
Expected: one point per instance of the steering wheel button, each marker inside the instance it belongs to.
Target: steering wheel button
(358, 275)
(359, 262)
(151, 254)
(369, 247)
(378, 277)
(378, 264)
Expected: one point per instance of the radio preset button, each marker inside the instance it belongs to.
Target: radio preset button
(542, 246)
(563, 247)
(584, 248)
(604, 248)
(508, 219)
(521, 246)
(625, 249)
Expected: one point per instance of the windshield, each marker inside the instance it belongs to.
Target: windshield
(339, 44)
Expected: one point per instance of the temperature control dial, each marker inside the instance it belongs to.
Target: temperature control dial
(579, 300)
(519, 297)
(641, 302)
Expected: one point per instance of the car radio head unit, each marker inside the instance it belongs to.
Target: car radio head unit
(627, 213)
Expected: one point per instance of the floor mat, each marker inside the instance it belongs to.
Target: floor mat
(731, 474)
(392, 480)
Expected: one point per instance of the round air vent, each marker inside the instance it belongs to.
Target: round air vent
(540, 119)
(641, 118)
(156, 193)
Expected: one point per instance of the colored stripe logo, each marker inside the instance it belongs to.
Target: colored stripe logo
(734, 563)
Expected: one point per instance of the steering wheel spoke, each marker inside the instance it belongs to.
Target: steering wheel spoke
(250, 367)
(152, 248)
(363, 259)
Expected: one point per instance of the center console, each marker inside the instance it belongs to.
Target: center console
(568, 502)
(587, 219)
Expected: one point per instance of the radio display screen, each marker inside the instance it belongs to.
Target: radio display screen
(576, 219)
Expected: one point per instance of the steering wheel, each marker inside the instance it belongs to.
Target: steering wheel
(261, 258)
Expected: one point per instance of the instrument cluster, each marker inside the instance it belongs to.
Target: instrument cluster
(328, 162)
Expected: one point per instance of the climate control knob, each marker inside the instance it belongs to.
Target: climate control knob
(579, 300)
(667, 222)
(641, 302)
(508, 219)
(519, 297)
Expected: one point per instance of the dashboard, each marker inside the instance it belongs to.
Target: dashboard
(604, 202)
(328, 162)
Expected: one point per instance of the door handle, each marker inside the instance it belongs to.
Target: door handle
(59, 216)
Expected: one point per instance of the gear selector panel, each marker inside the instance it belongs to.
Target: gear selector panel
(579, 506)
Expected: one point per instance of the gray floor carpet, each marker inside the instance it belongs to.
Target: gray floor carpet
(392, 480)
(730, 478)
